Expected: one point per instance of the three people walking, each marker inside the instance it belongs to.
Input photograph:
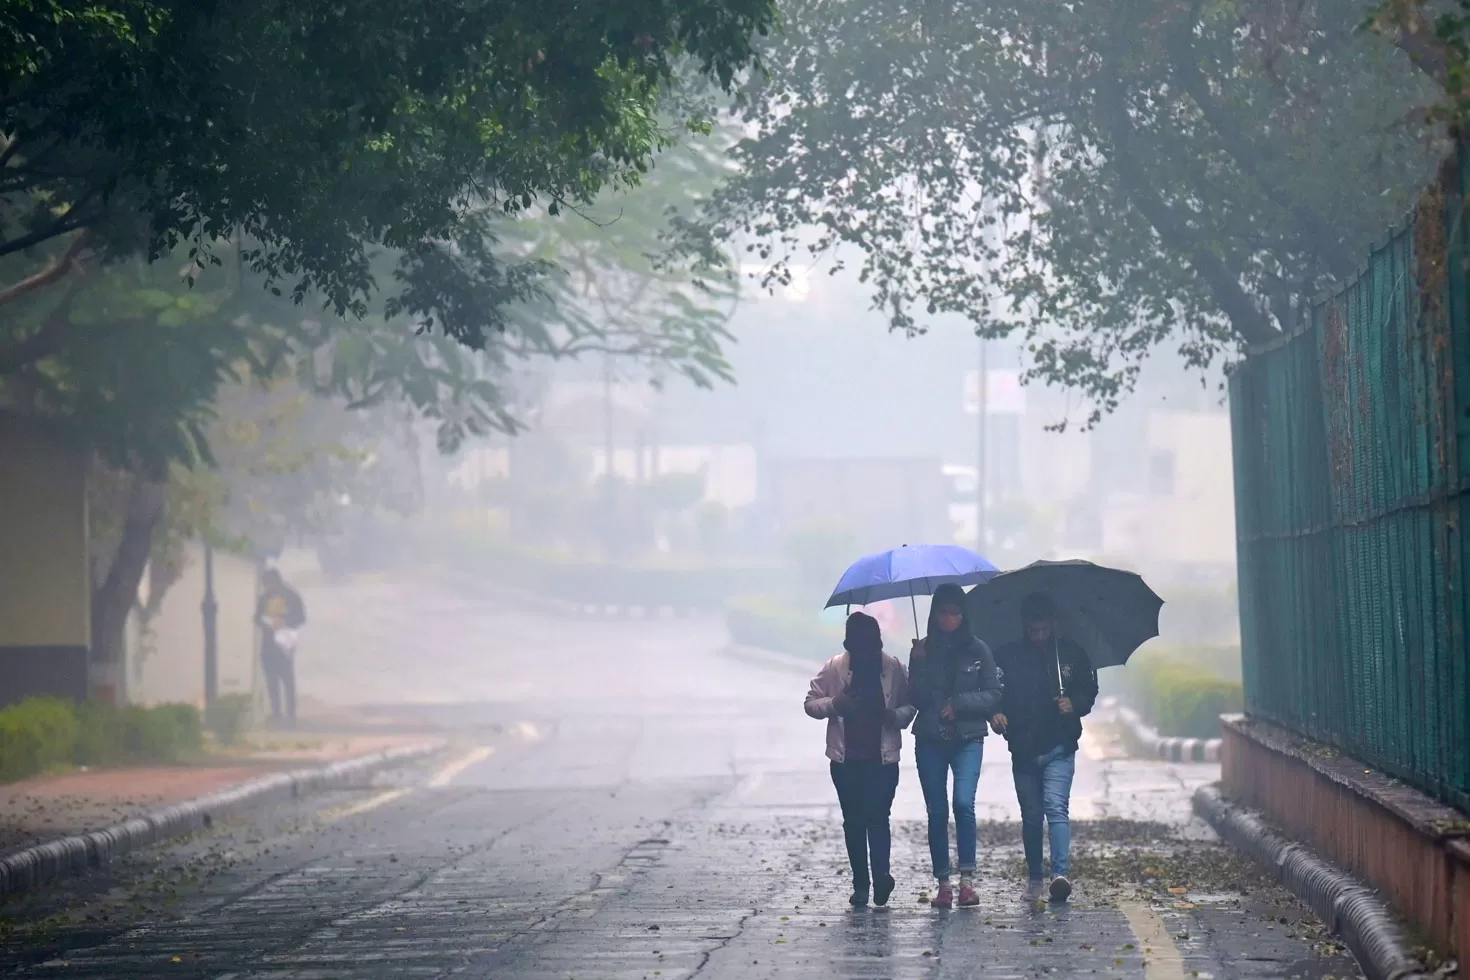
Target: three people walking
(1034, 692)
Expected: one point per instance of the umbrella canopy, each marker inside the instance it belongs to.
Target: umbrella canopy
(909, 571)
(1108, 612)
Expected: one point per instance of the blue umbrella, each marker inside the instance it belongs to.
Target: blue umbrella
(909, 571)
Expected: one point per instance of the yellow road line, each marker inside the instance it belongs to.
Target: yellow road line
(1161, 958)
(363, 806)
(446, 775)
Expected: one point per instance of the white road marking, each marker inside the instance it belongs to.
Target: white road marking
(446, 775)
(527, 732)
(363, 806)
(1161, 958)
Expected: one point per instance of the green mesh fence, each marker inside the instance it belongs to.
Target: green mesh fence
(1351, 472)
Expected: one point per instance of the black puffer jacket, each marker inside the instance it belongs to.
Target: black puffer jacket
(957, 669)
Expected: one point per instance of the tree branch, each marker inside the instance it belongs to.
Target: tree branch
(50, 274)
(1248, 321)
(1315, 233)
(48, 339)
(66, 222)
(1406, 25)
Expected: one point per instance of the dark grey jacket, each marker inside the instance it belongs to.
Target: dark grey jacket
(963, 675)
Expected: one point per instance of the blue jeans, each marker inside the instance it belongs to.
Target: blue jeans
(935, 760)
(1044, 789)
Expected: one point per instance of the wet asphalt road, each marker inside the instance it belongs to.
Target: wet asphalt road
(624, 800)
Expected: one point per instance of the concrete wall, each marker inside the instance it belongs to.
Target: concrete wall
(167, 663)
(45, 587)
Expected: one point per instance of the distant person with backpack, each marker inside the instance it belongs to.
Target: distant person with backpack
(280, 613)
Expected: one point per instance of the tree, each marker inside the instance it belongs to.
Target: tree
(1095, 178)
(314, 133)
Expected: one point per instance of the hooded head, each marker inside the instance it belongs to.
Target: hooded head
(949, 614)
(864, 637)
(1038, 617)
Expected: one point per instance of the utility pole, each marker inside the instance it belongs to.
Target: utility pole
(210, 609)
(981, 447)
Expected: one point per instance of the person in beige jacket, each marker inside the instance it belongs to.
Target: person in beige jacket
(863, 694)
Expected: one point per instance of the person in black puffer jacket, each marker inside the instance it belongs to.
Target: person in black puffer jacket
(1050, 686)
(954, 687)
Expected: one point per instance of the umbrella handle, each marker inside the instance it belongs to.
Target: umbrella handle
(913, 605)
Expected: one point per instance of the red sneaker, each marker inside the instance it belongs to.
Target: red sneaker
(944, 899)
(968, 897)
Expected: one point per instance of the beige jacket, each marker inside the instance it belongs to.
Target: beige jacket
(833, 679)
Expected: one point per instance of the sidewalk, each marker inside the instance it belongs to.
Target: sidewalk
(43, 808)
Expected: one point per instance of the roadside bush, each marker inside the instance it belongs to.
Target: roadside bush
(1182, 695)
(771, 624)
(229, 717)
(99, 735)
(167, 733)
(35, 735)
(684, 585)
(44, 733)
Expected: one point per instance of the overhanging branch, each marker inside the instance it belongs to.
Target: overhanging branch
(1245, 317)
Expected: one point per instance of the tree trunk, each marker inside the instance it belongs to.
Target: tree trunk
(114, 599)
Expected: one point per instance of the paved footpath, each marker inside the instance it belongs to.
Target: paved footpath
(642, 807)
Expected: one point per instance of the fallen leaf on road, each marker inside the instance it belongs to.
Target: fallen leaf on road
(1178, 891)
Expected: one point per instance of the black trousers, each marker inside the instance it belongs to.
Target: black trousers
(865, 791)
(280, 681)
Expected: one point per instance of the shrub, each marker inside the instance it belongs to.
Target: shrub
(1182, 692)
(100, 735)
(229, 717)
(167, 733)
(683, 585)
(43, 733)
(761, 621)
(35, 735)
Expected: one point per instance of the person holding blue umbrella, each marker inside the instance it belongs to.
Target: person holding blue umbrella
(954, 687)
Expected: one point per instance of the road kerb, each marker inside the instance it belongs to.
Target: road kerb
(41, 864)
(1344, 905)
(1140, 735)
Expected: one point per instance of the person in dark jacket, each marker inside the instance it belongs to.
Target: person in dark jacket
(1050, 685)
(954, 687)
(279, 613)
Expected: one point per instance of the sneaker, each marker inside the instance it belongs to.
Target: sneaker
(859, 897)
(1061, 888)
(944, 898)
(883, 889)
(968, 897)
(1034, 891)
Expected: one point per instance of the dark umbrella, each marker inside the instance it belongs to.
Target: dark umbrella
(1108, 612)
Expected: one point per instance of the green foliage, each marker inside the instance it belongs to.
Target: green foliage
(35, 735)
(819, 552)
(1185, 692)
(322, 132)
(772, 623)
(685, 586)
(39, 734)
(230, 717)
(1094, 179)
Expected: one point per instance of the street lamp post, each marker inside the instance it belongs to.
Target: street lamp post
(210, 610)
(981, 448)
